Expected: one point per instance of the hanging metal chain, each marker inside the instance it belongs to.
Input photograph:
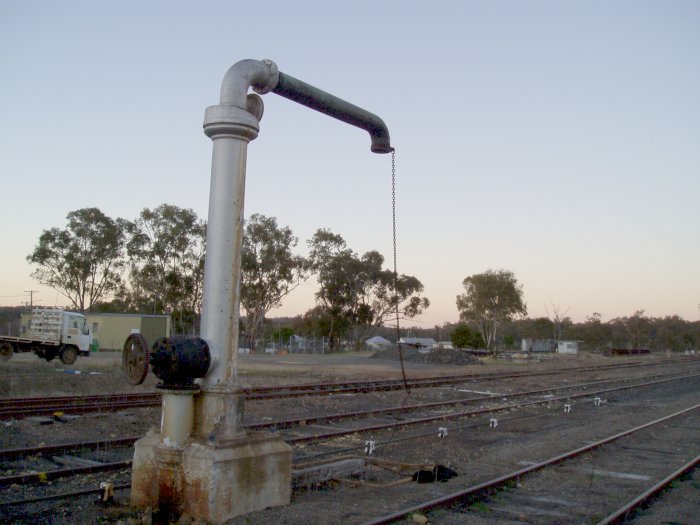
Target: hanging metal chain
(396, 274)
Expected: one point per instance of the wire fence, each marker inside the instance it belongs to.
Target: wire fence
(300, 345)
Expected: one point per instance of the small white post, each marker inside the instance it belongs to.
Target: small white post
(369, 447)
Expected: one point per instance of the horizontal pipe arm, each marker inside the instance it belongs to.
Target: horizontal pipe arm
(314, 98)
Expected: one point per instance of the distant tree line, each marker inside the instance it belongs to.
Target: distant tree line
(669, 333)
(154, 264)
(492, 306)
(658, 334)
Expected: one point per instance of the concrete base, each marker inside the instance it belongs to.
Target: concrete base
(212, 481)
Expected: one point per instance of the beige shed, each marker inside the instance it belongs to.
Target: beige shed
(109, 331)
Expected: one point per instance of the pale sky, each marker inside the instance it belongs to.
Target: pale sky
(558, 140)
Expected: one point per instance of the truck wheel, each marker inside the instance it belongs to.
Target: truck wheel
(69, 355)
(6, 350)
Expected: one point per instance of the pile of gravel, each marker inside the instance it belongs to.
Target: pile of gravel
(440, 356)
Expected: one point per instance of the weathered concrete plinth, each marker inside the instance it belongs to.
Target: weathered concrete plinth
(229, 479)
(212, 481)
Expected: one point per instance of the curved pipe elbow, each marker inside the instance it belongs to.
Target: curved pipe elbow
(261, 75)
(379, 134)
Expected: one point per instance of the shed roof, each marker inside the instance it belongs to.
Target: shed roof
(378, 340)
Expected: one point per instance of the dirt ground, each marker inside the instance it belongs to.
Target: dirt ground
(473, 454)
(25, 375)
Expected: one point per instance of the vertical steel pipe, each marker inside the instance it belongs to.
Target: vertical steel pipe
(231, 125)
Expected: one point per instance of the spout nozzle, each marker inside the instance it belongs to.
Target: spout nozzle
(379, 135)
(381, 148)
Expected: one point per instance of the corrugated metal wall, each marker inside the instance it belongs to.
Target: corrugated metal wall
(111, 330)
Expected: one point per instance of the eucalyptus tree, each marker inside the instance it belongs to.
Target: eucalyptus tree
(84, 260)
(167, 247)
(329, 258)
(491, 299)
(560, 321)
(269, 270)
(595, 333)
(674, 333)
(317, 323)
(356, 292)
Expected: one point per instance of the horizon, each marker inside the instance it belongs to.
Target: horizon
(557, 141)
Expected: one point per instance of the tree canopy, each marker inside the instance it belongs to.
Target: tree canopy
(269, 269)
(464, 337)
(355, 291)
(490, 299)
(155, 264)
(167, 248)
(84, 260)
(669, 333)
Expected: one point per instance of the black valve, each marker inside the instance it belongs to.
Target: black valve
(178, 362)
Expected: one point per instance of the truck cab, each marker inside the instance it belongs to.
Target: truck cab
(76, 332)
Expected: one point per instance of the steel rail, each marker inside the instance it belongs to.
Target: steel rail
(256, 392)
(73, 400)
(13, 453)
(613, 519)
(495, 483)
(103, 444)
(311, 388)
(62, 495)
(469, 413)
(24, 407)
(34, 477)
(53, 474)
(622, 514)
(81, 409)
(289, 423)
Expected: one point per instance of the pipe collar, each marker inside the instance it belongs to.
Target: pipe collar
(231, 120)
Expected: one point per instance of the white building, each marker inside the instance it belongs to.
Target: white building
(378, 342)
(567, 347)
(550, 345)
(418, 342)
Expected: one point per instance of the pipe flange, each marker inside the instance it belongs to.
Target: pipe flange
(272, 79)
(230, 120)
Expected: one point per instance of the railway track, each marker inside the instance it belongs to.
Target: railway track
(47, 406)
(304, 431)
(15, 501)
(546, 496)
(435, 415)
